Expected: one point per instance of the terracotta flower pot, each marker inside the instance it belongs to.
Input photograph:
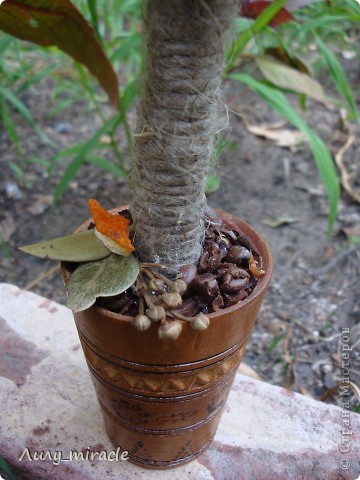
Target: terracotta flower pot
(162, 400)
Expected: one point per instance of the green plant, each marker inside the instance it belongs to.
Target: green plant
(277, 53)
(5, 469)
(275, 41)
(15, 79)
(165, 168)
(120, 39)
(272, 347)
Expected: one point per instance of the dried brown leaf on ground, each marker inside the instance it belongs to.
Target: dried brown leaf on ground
(7, 227)
(290, 378)
(288, 359)
(349, 170)
(352, 231)
(341, 385)
(283, 137)
(41, 204)
(246, 370)
(279, 222)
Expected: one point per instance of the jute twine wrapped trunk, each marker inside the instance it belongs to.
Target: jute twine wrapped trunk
(177, 123)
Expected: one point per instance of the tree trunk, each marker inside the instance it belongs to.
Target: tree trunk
(177, 121)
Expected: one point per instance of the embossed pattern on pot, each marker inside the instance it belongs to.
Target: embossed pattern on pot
(160, 383)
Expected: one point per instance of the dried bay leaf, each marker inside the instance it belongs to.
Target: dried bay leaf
(102, 278)
(78, 247)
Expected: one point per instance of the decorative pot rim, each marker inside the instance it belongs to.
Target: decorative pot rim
(258, 290)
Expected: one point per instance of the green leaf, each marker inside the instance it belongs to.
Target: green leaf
(6, 469)
(59, 23)
(94, 17)
(103, 278)
(18, 104)
(212, 184)
(260, 23)
(107, 166)
(30, 80)
(339, 78)
(322, 157)
(81, 157)
(78, 247)
(286, 77)
(5, 42)
(129, 48)
(67, 152)
(9, 124)
(323, 20)
(128, 95)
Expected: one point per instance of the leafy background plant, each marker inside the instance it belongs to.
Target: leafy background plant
(278, 55)
(289, 50)
(24, 65)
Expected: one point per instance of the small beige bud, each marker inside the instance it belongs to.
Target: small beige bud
(201, 322)
(170, 330)
(141, 322)
(277, 327)
(178, 286)
(172, 299)
(156, 284)
(155, 313)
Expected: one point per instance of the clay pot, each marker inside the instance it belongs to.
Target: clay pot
(162, 400)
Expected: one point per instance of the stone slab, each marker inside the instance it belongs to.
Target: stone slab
(48, 405)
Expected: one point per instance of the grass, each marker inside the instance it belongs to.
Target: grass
(334, 24)
(271, 348)
(23, 67)
(5, 469)
(321, 154)
(20, 73)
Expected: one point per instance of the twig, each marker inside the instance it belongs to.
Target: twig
(42, 277)
(334, 260)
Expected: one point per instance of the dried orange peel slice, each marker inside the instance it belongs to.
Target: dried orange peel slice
(111, 229)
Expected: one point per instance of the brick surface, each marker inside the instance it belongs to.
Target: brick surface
(48, 405)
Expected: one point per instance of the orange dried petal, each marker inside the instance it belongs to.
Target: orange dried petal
(254, 269)
(113, 226)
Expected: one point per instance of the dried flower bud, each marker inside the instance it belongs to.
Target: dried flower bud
(141, 322)
(172, 299)
(156, 284)
(170, 330)
(155, 313)
(179, 286)
(201, 322)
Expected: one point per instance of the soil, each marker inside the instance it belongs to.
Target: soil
(312, 311)
(227, 272)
